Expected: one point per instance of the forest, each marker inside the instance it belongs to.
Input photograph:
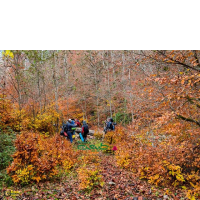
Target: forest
(153, 96)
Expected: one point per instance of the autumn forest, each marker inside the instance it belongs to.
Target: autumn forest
(152, 96)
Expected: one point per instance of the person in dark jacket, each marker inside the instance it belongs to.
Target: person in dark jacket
(109, 125)
(85, 130)
(68, 129)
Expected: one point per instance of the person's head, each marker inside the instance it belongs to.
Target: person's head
(108, 119)
(69, 120)
(84, 122)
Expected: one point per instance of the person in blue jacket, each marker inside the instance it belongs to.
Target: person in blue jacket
(68, 129)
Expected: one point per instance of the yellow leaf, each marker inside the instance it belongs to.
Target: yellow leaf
(192, 184)
(7, 52)
(184, 187)
(11, 55)
(193, 198)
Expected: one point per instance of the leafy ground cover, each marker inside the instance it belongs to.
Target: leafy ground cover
(96, 177)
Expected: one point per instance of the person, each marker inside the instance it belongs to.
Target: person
(72, 121)
(68, 129)
(109, 125)
(77, 123)
(85, 130)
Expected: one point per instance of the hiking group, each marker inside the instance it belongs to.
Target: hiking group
(68, 130)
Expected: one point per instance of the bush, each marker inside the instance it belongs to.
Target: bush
(38, 157)
(98, 135)
(90, 178)
(170, 161)
(44, 122)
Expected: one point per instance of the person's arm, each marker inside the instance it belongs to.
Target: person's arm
(73, 125)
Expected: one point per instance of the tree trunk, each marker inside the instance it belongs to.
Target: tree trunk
(56, 88)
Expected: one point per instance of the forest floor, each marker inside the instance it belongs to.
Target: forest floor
(119, 184)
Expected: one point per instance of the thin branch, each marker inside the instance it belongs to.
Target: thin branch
(188, 119)
(178, 62)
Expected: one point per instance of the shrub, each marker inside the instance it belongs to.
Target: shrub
(168, 161)
(44, 122)
(37, 157)
(98, 135)
(90, 178)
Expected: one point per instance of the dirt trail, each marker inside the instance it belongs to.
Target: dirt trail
(121, 184)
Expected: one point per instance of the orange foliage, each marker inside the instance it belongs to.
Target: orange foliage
(38, 157)
(70, 109)
(89, 177)
(162, 160)
(5, 110)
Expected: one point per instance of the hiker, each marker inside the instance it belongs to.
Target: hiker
(109, 125)
(77, 123)
(85, 130)
(68, 129)
(73, 121)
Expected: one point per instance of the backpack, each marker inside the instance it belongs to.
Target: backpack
(111, 126)
(78, 123)
(86, 129)
(63, 128)
(62, 132)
